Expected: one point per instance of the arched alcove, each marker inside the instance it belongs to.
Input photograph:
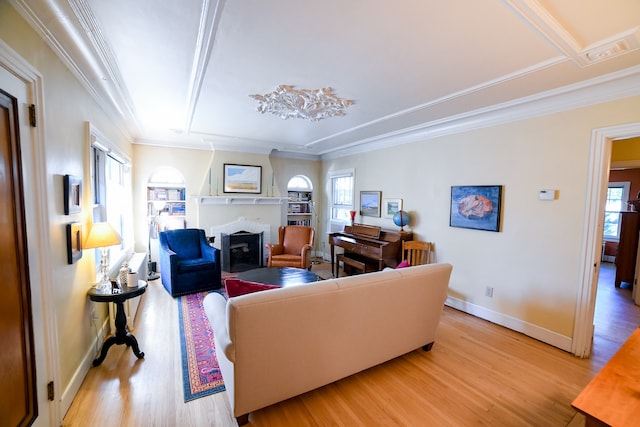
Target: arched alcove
(300, 192)
(166, 207)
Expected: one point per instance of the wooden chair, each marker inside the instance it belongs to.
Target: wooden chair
(416, 252)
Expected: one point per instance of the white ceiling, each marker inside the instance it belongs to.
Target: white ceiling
(179, 73)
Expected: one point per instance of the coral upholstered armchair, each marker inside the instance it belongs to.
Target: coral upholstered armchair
(293, 248)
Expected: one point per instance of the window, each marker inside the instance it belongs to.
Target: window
(300, 183)
(111, 193)
(617, 197)
(341, 194)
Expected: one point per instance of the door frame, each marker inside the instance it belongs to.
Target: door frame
(38, 235)
(597, 184)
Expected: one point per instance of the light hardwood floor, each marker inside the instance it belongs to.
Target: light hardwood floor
(477, 373)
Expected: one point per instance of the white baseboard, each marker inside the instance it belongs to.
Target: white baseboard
(87, 362)
(549, 337)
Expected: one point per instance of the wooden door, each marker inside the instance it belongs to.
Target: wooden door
(18, 396)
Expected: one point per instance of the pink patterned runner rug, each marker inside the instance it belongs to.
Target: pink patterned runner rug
(200, 370)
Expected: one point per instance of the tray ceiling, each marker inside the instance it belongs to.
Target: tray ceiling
(181, 73)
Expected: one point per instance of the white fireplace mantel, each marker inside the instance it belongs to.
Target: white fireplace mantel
(240, 200)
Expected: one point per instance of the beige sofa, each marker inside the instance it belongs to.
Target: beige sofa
(280, 343)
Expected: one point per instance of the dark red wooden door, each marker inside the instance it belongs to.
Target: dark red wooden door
(18, 398)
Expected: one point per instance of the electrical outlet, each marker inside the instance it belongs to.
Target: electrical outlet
(488, 292)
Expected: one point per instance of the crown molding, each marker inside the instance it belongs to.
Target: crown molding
(538, 18)
(209, 21)
(71, 31)
(618, 85)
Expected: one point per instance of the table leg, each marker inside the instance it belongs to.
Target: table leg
(122, 336)
(332, 260)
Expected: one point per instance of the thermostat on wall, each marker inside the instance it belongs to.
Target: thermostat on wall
(547, 194)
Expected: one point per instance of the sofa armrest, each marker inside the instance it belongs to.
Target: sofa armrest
(215, 306)
(275, 249)
(209, 252)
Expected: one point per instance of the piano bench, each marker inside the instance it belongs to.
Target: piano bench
(356, 262)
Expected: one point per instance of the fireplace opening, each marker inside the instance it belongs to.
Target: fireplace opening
(241, 251)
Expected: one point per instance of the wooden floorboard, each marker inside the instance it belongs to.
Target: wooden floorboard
(478, 373)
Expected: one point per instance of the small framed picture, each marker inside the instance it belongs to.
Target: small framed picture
(74, 242)
(390, 207)
(72, 194)
(242, 179)
(370, 203)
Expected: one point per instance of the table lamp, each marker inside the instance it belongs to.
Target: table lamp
(103, 235)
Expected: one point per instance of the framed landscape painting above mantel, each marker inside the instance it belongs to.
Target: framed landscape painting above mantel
(242, 179)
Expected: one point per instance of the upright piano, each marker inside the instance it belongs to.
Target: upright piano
(367, 246)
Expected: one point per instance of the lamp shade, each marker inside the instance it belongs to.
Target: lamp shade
(102, 234)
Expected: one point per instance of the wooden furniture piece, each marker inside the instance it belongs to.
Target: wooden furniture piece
(122, 335)
(611, 398)
(367, 247)
(293, 248)
(138, 265)
(627, 247)
(281, 276)
(416, 252)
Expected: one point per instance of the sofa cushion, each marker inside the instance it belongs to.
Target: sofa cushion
(197, 264)
(237, 287)
(286, 258)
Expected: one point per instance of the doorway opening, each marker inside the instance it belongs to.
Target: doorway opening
(600, 164)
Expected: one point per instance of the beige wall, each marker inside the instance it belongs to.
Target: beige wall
(533, 264)
(67, 106)
(195, 166)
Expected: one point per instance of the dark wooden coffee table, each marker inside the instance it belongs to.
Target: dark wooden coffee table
(281, 276)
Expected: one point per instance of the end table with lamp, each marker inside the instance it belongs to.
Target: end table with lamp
(122, 336)
(102, 235)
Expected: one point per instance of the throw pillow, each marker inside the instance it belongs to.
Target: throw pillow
(404, 264)
(236, 287)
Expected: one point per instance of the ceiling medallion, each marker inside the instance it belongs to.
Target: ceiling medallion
(287, 102)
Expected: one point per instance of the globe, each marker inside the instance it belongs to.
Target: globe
(401, 218)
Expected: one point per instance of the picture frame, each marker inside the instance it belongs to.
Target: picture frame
(391, 206)
(74, 242)
(477, 207)
(72, 194)
(242, 179)
(370, 203)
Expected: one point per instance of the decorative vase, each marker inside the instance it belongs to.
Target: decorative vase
(352, 214)
(124, 273)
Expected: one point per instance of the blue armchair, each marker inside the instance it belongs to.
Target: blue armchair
(187, 263)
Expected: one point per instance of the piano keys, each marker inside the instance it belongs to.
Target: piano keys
(368, 247)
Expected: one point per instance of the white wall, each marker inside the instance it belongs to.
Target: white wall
(533, 264)
(67, 106)
(196, 167)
